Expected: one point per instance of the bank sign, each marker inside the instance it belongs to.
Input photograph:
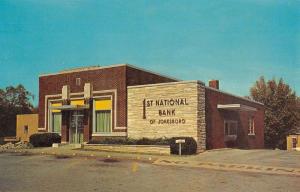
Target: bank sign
(164, 111)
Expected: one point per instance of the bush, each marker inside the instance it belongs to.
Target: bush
(108, 140)
(44, 139)
(129, 141)
(187, 148)
(158, 141)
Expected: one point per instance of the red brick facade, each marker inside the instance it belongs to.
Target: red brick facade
(215, 121)
(115, 78)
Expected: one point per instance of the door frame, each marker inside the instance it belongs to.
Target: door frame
(76, 126)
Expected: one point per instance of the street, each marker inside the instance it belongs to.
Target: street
(23, 172)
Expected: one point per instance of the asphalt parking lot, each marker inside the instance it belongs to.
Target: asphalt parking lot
(24, 172)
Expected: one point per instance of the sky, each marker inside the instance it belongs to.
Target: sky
(234, 41)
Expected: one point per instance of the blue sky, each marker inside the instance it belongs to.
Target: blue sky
(235, 41)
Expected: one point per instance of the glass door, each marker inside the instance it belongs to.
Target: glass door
(76, 127)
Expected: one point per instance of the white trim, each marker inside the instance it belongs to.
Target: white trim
(47, 100)
(163, 84)
(105, 91)
(78, 93)
(47, 104)
(94, 113)
(76, 98)
(46, 109)
(120, 134)
(243, 98)
(236, 107)
(115, 105)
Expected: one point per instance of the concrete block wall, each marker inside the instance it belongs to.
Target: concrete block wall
(141, 149)
(167, 110)
(201, 131)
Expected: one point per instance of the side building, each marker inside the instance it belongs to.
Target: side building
(215, 119)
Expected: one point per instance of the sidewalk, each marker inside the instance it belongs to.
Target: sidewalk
(231, 167)
(73, 152)
(257, 161)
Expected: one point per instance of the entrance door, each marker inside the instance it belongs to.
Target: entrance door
(76, 127)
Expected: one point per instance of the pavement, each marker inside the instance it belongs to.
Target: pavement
(24, 172)
(258, 161)
(252, 161)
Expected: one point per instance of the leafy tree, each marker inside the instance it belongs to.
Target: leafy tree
(13, 101)
(281, 113)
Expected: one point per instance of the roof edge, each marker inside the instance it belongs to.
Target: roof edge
(83, 69)
(149, 71)
(105, 67)
(230, 94)
(166, 83)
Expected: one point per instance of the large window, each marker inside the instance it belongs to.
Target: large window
(103, 121)
(103, 115)
(251, 126)
(56, 122)
(230, 128)
(55, 117)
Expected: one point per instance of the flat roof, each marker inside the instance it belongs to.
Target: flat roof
(91, 68)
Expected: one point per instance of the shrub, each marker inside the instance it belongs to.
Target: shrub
(108, 140)
(44, 139)
(187, 148)
(129, 141)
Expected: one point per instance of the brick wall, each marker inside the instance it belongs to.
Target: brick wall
(136, 76)
(102, 79)
(107, 78)
(215, 121)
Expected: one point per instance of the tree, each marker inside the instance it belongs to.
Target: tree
(13, 101)
(281, 113)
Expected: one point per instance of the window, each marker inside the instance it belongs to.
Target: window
(230, 128)
(55, 117)
(251, 126)
(103, 121)
(103, 115)
(56, 122)
(294, 142)
(78, 81)
(26, 129)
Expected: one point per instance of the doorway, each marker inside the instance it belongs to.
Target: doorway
(76, 126)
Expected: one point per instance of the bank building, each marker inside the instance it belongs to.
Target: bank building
(122, 100)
